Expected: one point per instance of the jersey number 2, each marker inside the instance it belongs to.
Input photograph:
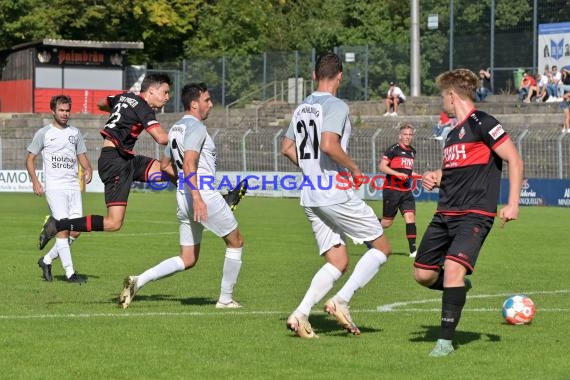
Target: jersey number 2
(302, 129)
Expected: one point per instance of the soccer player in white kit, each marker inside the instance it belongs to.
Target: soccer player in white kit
(191, 150)
(62, 147)
(317, 141)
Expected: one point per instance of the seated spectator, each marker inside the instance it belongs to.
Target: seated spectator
(564, 84)
(554, 78)
(484, 88)
(525, 90)
(443, 126)
(541, 87)
(565, 106)
(394, 97)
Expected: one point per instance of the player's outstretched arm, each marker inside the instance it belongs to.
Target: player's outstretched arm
(159, 135)
(431, 179)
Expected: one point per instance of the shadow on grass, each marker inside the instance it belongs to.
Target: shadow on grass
(64, 278)
(431, 334)
(194, 301)
(326, 325)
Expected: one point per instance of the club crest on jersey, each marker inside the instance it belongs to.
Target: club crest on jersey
(72, 139)
(496, 131)
(461, 133)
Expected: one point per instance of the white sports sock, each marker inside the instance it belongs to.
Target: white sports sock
(51, 255)
(64, 252)
(321, 284)
(232, 267)
(165, 268)
(365, 269)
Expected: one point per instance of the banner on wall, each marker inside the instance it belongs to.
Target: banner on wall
(535, 191)
(553, 45)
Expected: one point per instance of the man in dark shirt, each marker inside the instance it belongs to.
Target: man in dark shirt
(398, 163)
(468, 194)
(119, 166)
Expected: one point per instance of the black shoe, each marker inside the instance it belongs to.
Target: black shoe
(46, 269)
(49, 230)
(77, 279)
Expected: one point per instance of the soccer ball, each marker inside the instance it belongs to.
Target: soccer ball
(518, 310)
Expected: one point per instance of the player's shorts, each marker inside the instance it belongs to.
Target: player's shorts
(354, 218)
(64, 203)
(394, 200)
(118, 173)
(457, 238)
(221, 220)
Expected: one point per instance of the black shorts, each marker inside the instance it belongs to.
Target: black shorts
(118, 172)
(394, 200)
(457, 238)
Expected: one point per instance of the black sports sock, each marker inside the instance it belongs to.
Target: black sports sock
(453, 300)
(438, 284)
(411, 235)
(84, 224)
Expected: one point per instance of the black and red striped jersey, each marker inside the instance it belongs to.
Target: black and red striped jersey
(401, 159)
(471, 169)
(130, 115)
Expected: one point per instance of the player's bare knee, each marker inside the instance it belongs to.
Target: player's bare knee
(386, 223)
(234, 239)
(424, 278)
(113, 225)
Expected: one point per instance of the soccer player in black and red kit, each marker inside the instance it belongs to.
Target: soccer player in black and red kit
(119, 166)
(397, 163)
(468, 184)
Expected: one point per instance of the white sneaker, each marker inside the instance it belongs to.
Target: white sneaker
(230, 305)
(340, 311)
(130, 288)
(394, 114)
(301, 326)
(387, 114)
(413, 254)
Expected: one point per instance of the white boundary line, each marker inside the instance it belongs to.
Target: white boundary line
(393, 307)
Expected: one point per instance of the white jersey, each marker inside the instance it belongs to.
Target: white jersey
(320, 112)
(190, 133)
(60, 148)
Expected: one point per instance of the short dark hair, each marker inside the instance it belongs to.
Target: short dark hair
(59, 99)
(154, 80)
(192, 92)
(328, 66)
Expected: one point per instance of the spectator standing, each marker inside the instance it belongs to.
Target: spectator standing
(394, 97)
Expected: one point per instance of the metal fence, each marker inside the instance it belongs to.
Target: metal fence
(546, 153)
(500, 34)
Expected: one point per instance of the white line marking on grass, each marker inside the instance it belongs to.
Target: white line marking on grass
(393, 307)
(390, 307)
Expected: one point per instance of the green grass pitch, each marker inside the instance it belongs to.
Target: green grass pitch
(172, 330)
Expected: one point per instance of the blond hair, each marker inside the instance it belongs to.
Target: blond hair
(462, 81)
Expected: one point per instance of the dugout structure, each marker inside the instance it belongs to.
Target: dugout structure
(33, 72)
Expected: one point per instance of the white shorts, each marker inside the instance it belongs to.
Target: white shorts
(221, 220)
(354, 218)
(64, 203)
